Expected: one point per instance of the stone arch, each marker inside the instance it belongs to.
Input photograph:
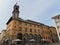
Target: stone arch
(31, 36)
(19, 36)
(35, 36)
(39, 37)
(6, 42)
(25, 37)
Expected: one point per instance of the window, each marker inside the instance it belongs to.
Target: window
(59, 17)
(49, 37)
(25, 23)
(30, 24)
(43, 31)
(14, 26)
(46, 37)
(25, 29)
(14, 32)
(34, 25)
(20, 28)
(38, 30)
(43, 37)
(15, 22)
(20, 22)
(34, 30)
(38, 26)
(30, 30)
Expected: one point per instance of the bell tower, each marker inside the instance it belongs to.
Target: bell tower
(15, 13)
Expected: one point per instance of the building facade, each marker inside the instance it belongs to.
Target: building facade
(54, 35)
(27, 32)
(57, 22)
(2, 37)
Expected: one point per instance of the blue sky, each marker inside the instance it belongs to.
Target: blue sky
(36, 10)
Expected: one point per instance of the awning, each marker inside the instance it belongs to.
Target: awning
(43, 39)
(32, 40)
(6, 39)
(17, 40)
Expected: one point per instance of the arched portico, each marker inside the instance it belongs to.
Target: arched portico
(25, 39)
(19, 39)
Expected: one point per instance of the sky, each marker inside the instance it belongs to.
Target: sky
(37, 10)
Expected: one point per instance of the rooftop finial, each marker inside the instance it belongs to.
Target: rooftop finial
(16, 5)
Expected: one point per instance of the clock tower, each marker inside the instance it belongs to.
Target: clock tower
(15, 13)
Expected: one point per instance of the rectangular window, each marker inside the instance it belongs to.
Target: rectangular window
(49, 37)
(30, 30)
(14, 26)
(34, 25)
(46, 37)
(38, 30)
(38, 26)
(34, 30)
(25, 29)
(43, 37)
(20, 22)
(26, 23)
(20, 28)
(30, 24)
